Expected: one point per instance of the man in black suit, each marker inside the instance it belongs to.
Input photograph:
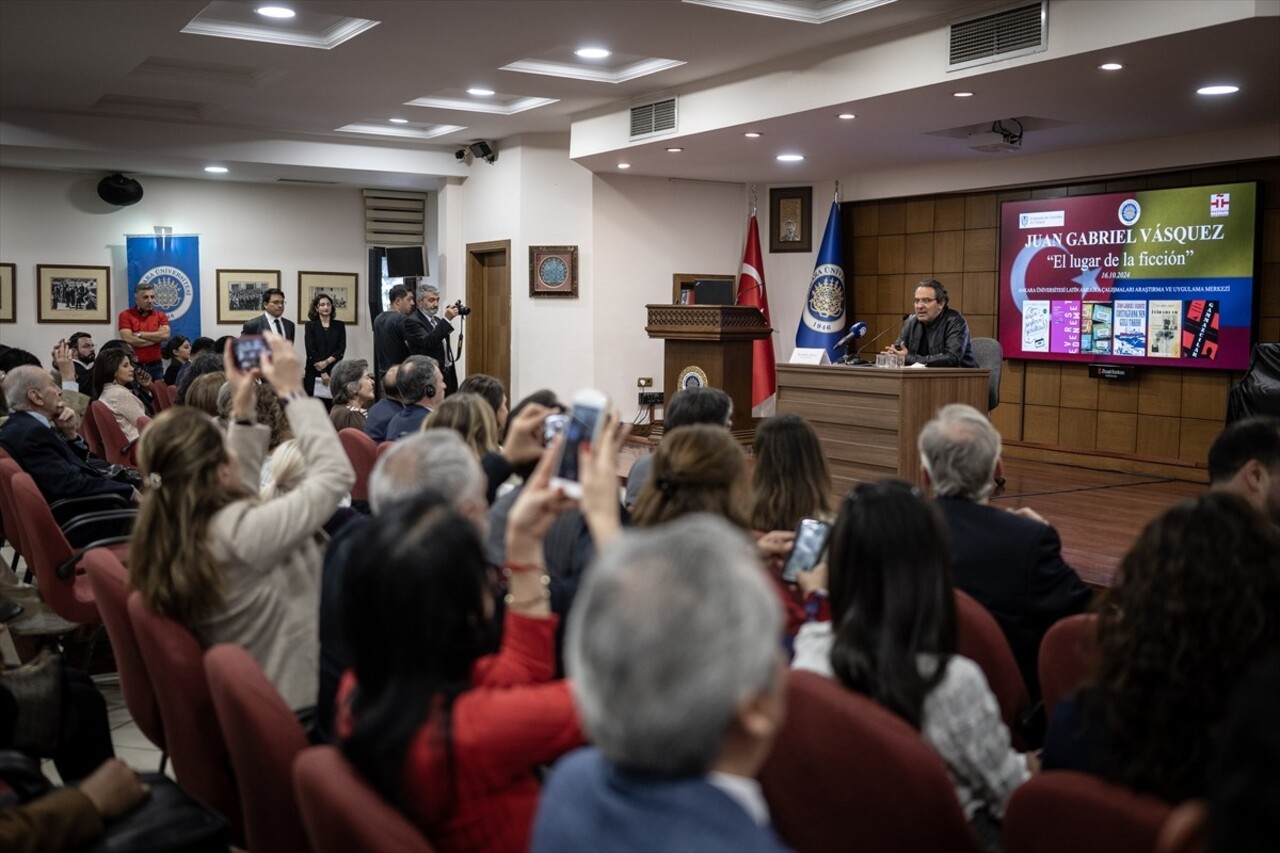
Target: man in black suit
(271, 319)
(396, 336)
(438, 330)
(36, 436)
(1009, 560)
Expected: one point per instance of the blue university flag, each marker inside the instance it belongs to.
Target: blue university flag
(172, 266)
(822, 321)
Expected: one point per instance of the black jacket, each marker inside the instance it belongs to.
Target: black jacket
(948, 341)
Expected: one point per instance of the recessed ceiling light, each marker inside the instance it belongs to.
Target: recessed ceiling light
(674, 150)
(592, 52)
(752, 134)
(479, 91)
(624, 165)
(275, 12)
(1217, 90)
(846, 116)
(1110, 66)
(398, 120)
(963, 94)
(790, 158)
(216, 170)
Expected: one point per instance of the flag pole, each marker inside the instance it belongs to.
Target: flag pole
(753, 199)
(837, 192)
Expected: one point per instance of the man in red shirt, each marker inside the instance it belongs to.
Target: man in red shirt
(145, 329)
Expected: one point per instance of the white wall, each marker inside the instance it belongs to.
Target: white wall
(57, 218)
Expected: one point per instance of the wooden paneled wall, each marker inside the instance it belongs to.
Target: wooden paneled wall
(1165, 420)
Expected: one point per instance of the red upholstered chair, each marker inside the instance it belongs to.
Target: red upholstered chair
(1061, 811)
(109, 580)
(114, 445)
(264, 738)
(89, 432)
(846, 774)
(342, 813)
(175, 665)
(8, 512)
(384, 446)
(160, 397)
(1068, 654)
(363, 453)
(143, 423)
(981, 640)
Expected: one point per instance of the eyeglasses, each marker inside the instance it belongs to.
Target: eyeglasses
(924, 301)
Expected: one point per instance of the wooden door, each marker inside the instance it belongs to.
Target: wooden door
(488, 347)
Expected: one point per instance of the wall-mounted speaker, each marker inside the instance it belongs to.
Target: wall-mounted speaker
(119, 190)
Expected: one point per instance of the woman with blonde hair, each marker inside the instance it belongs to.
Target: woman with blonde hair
(470, 416)
(207, 552)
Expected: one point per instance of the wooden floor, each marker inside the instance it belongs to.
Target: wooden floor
(1098, 514)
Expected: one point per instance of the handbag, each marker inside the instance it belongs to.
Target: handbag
(168, 821)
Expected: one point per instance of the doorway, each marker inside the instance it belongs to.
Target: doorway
(488, 348)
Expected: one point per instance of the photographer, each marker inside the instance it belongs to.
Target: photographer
(438, 330)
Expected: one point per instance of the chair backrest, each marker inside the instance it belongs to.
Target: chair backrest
(9, 510)
(175, 664)
(160, 399)
(1068, 654)
(113, 440)
(342, 813)
(1061, 811)
(981, 640)
(264, 738)
(384, 446)
(363, 453)
(143, 423)
(109, 580)
(845, 773)
(45, 548)
(989, 354)
(89, 432)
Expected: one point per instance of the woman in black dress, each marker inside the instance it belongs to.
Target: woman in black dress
(326, 339)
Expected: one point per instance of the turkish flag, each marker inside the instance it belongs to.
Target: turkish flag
(764, 379)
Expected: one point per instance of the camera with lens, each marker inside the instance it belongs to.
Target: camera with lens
(463, 310)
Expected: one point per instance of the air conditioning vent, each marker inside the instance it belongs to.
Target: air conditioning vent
(393, 218)
(999, 35)
(653, 119)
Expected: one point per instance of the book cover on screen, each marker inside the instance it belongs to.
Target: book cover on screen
(1164, 337)
(1129, 333)
(1035, 326)
(1200, 329)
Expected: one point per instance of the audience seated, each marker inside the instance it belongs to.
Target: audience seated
(140, 385)
(791, 479)
(681, 698)
(209, 554)
(469, 416)
(1195, 604)
(198, 346)
(208, 361)
(352, 388)
(112, 375)
(178, 350)
(1245, 460)
(204, 390)
(421, 386)
(269, 412)
(40, 435)
(83, 353)
(1009, 560)
(501, 505)
(73, 817)
(448, 733)
(687, 406)
(491, 389)
(893, 638)
(381, 413)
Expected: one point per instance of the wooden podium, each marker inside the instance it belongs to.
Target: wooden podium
(710, 345)
(868, 418)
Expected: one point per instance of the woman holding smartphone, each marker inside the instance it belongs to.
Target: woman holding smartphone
(326, 339)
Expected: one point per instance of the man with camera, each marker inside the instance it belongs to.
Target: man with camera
(438, 330)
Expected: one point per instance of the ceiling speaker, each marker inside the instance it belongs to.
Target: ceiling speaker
(120, 191)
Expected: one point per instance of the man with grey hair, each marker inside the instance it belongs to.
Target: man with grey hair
(673, 645)
(438, 330)
(437, 460)
(421, 388)
(1009, 560)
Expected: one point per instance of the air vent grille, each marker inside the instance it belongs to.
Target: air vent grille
(393, 218)
(653, 119)
(999, 35)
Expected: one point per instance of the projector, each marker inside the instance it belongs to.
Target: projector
(992, 142)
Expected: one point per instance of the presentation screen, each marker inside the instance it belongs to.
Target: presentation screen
(1162, 278)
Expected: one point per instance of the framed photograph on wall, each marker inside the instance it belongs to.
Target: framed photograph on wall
(8, 292)
(553, 271)
(240, 293)
(791, 219)
(73, 294)
(341, 288)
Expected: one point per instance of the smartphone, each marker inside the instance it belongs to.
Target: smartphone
(553, 425)
(248, 351)
(586, 420)
(811, 541)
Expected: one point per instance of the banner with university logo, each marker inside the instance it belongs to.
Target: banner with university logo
(822, 320)
(171, 265)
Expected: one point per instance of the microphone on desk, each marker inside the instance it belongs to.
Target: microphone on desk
(856, 331)
(856, 358)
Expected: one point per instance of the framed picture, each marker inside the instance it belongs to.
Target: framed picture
(67, 294)
(553, 271)
(682, 285)
(8, 311)
(339, 286)
(791, 219)
(240, 293)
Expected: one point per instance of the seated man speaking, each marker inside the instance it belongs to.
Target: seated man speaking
(935, 335)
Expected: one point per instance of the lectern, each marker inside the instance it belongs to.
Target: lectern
(710, 345)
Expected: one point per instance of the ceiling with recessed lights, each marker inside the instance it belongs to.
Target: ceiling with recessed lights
(168, 88)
